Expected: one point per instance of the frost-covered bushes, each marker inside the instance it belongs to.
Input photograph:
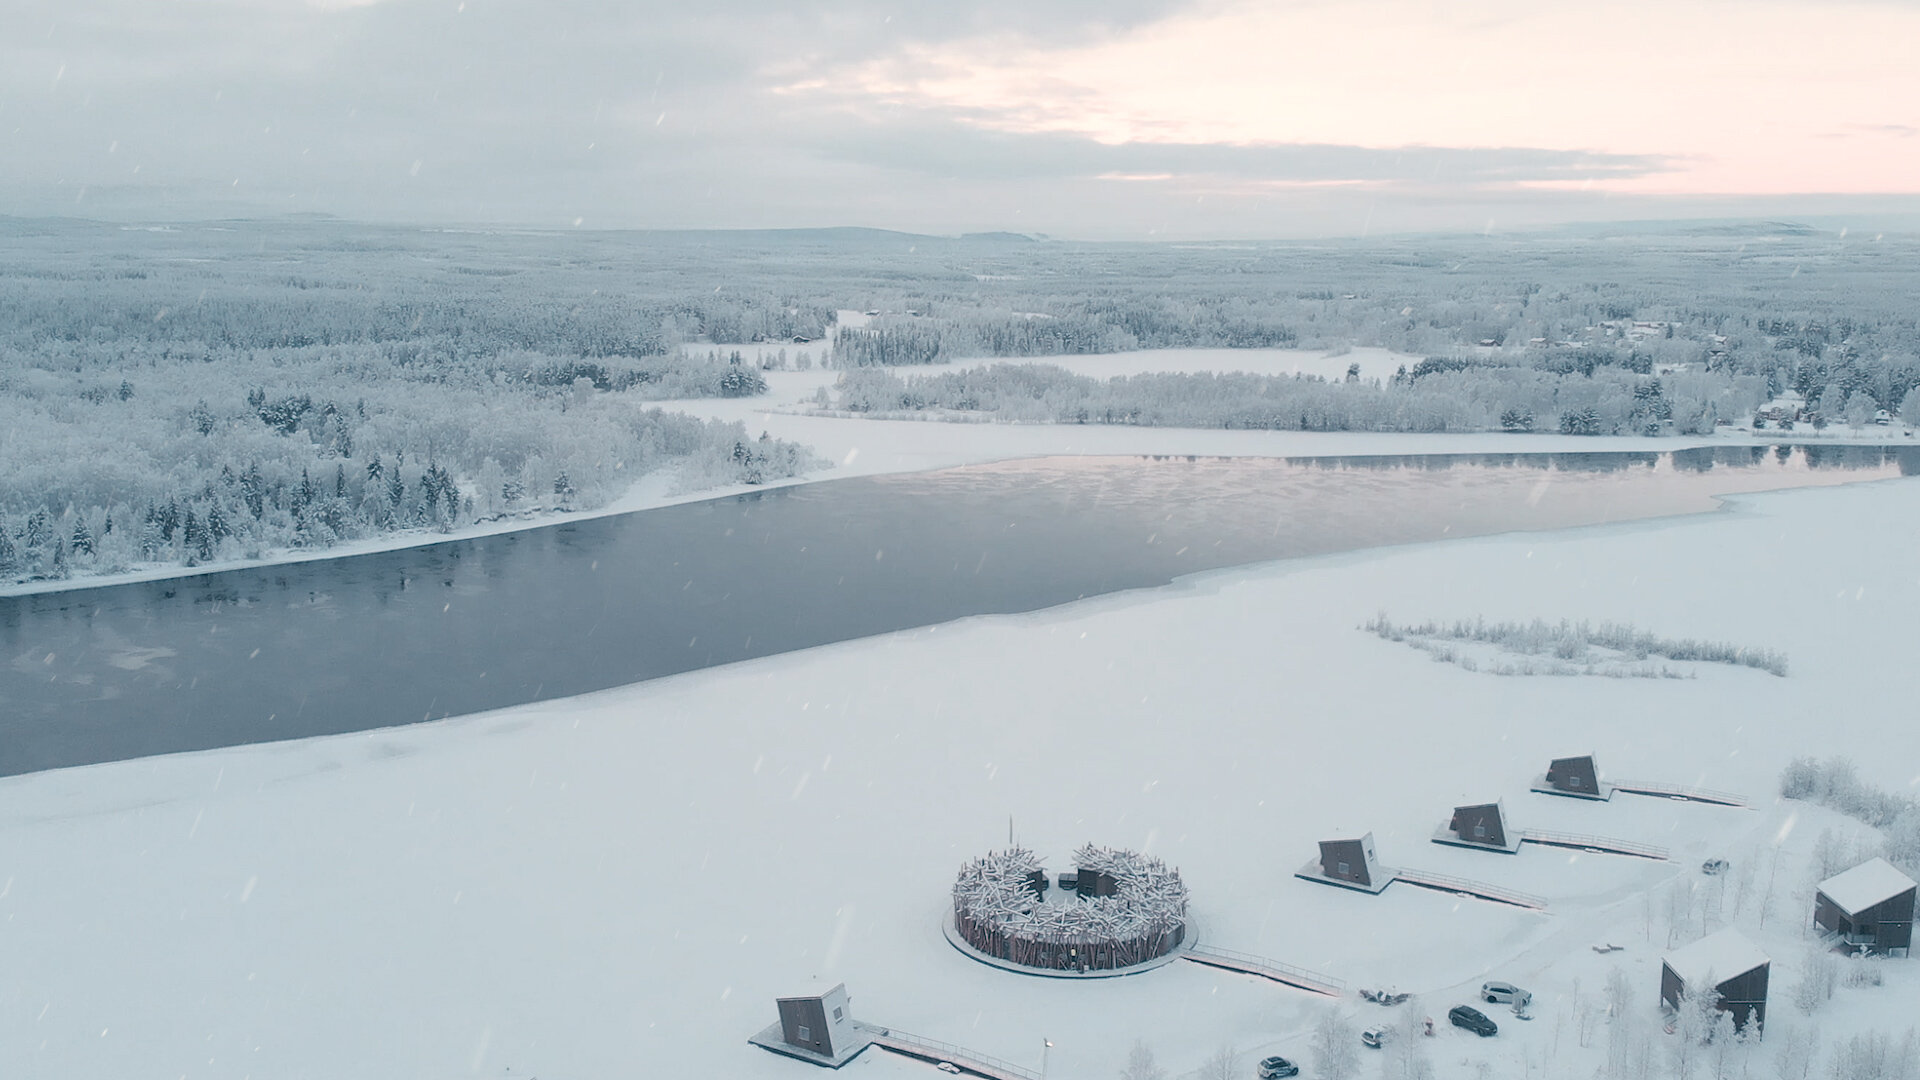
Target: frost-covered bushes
(1575, 643)
(1876, 1055)
(1835, 783)
(1465, 397)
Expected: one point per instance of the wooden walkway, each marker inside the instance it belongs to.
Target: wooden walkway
(1478, 890)
(935, 1052)
(1680, 791)
(1602, 844)
(1260, 966)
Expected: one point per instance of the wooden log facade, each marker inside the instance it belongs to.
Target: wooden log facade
(1131, 909)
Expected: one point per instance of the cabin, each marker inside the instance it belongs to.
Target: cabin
(1574, 777)
(1481, 825)
(1090, 883)
(819, 1024)
(1868, 908)
(1728, 965)
(1350, 864)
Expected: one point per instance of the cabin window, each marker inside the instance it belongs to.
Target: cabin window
(839, 1013)
(806, 1033)
(1479, 830)
(1345, 869)
(1573, 781)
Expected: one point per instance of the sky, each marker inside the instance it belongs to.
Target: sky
(1102, 119)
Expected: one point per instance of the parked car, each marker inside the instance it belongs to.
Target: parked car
(1374, 1037)
(1502, 993)
(948, 1067)
(1466, 1016)
(1277, 1068)
(1714, 866)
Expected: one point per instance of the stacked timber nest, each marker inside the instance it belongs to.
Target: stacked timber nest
(1130, 909)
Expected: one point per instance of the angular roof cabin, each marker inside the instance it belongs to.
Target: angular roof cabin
(1869, 908)
(1481, 825)
(816, 1027)
(1574, 777)
(1349, 864)
(1733, 966)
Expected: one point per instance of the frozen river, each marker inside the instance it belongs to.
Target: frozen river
(399, 637)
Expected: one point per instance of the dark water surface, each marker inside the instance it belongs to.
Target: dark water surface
(393, 638)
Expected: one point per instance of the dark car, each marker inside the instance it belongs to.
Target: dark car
(1473, 1020)
(1277, 1068)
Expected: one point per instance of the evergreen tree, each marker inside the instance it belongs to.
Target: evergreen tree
(253, 490)
(38, 534)
(9, 555)
(563, 487)
(82, 536)
(192, 536)
(217, 527)
(340, 481)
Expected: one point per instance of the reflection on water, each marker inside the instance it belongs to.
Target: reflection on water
(375, 640)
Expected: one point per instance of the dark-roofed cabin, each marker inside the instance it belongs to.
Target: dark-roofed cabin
(1350, 860)
(1869, 908)
(1574, 776)
(819, 1024)
(1482, 825)
(1095, 883)
(1735, 967)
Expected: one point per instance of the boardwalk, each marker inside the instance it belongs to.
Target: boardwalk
(1680, 791)
(936, 1052)
(1602, 844)
(1262, 967)
(1478, 890)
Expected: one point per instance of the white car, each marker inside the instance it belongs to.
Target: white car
(1500, 993)
(1375, 1037)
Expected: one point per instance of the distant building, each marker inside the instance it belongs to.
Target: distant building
(819, 1024)
(1725, 964)
(1869, 907)
(1577, 777)
(1482, 825)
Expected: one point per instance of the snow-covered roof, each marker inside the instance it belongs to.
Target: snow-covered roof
(1723, 955)
(1865, 885)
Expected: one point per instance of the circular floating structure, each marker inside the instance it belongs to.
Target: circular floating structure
(1120, 913)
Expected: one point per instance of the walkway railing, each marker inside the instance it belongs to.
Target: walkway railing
(1679, 791)
(1249, 964)
(1449, 883)
(917, 1046)
(1593, 843)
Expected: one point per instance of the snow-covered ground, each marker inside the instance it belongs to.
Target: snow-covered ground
(618, 885)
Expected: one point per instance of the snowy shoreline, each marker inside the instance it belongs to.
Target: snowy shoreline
(866, 447)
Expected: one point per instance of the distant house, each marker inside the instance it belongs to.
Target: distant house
(1725, 964)
(1577, 777)
(819, 1024)
(1481, 825)
(1351, 864)
(1869, 907)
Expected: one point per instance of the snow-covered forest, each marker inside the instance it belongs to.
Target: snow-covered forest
(201, 393)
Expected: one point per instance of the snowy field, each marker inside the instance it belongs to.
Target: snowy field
(619, 885)
(1375, 364)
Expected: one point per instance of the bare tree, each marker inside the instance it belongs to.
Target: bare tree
(1141, 1065)
(1223, 1065)
(1334, 1042)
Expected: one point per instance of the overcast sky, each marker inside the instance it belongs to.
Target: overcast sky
(1091, 118)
